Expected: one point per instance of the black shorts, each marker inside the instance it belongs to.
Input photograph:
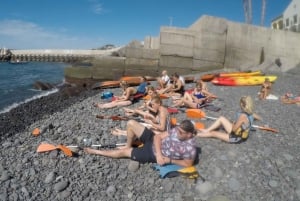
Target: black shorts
(234, 139)
(145, 153)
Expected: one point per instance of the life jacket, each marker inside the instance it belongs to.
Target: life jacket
(243, 131)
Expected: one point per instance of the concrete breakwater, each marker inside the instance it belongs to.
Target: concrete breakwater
(210, 43)
(57, 55)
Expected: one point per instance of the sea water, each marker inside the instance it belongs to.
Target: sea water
(17, 80)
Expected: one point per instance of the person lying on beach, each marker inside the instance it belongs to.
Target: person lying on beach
(265, 89)
(151, 92)
(130, 95)
(177, 146)
(289, 98)
(176, 88)
(158, 121)
(196, 99)
(237, 131)
(164, 80)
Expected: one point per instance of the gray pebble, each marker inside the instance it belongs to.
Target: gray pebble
(50, 177)
(204, 188)
(111, 190)
(234, 184)
(273, 183)
(5, 176)
(133, 166)
(60, 186)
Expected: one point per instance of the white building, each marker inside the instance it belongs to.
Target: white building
(290, 18)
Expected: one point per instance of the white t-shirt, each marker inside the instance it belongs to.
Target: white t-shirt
(166, 79)
(182, 80)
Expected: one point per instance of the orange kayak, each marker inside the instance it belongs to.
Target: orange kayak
(106, 84)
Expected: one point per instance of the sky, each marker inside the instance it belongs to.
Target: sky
(87, 24)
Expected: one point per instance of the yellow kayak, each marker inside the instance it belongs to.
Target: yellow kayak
(243, 81)
(240, 74)
(209, 77)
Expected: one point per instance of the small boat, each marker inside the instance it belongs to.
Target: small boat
(243, 81)
(18, 62)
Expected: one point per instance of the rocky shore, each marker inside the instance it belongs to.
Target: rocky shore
(265, 167)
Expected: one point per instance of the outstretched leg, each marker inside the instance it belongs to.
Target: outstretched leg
(221, 121)
(116, 153)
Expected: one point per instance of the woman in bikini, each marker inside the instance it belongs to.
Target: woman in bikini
(129, 96)
(237, 131)
(265, 89)
(196, 99)
(158, 121)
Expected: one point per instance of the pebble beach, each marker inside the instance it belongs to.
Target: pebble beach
(265, 167)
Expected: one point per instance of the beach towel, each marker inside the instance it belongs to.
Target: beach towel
(172, 170)
(272, 97)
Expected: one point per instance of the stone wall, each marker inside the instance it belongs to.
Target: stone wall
(208, 44)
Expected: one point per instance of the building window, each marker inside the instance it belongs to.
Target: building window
(295, 19)
(287, 24)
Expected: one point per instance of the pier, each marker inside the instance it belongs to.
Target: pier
(52, 55)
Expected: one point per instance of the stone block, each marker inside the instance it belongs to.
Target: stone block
(176, 50)
(176, 36)
(202, 65)
(175, 61)
(141, 62)
(210, 24)
(212, 55)
(78, 72)
(108, 61)
(142, 53)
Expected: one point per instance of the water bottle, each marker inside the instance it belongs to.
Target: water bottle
(87, 142)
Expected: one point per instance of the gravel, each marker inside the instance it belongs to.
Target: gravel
(265, 167)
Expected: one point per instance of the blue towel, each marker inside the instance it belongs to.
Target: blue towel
(166, 169)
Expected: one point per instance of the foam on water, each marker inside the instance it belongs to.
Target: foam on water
(14, 105)
(17, 82)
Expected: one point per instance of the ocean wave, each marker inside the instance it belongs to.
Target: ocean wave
(14, 105)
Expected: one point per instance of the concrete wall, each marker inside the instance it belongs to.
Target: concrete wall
(209, 43)
(151, 42)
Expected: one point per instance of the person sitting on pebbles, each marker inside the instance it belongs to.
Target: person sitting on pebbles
(176, 88)
(237, 131)
(151, 92)
(158, 120)
(164, 80)
(176, 146)
(130, 95)
(265, 89)
(289, 98)
(196, 99)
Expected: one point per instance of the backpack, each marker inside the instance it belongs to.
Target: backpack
(107, 95)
